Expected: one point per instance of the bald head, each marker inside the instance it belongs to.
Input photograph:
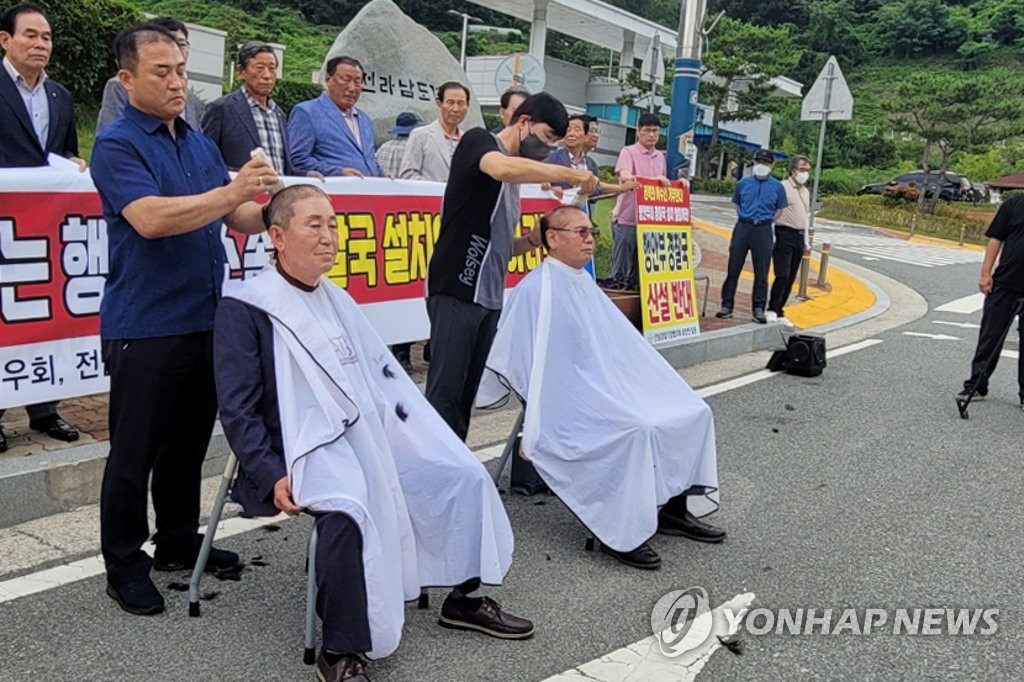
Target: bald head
(281, 208)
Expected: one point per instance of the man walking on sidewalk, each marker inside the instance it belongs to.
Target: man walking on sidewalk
(791, 234)
(1002, 291)
(759, 199)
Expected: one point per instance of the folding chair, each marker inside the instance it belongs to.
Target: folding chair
(309, 641)
(506, 454)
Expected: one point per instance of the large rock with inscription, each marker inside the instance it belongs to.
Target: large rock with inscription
(404, 63)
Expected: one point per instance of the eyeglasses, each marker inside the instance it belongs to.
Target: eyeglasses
(581, 232)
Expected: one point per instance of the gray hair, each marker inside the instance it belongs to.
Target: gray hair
(797, 158)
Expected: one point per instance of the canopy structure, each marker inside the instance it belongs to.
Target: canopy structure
(591, 20)
(1011, 181)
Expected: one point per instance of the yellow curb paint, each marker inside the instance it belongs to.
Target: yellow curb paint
(935, 241)
(849, 296)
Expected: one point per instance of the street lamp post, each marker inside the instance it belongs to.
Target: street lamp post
(466, 18)
(685, 83)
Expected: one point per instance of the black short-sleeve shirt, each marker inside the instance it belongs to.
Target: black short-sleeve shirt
(1008, 227)
(478, 219)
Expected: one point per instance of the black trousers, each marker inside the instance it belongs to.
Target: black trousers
(786, 258)
(341, 585)
(996, 316)
(756, 239)
(162, 407)
(461, 335)
(38, 411)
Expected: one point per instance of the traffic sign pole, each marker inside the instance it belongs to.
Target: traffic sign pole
(821, 137)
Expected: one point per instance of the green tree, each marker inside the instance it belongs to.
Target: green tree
(913, 28)
(954, 112)
(83, 34)
(739, 63)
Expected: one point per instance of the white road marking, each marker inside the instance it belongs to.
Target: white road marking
(871, 258)
(1010, 354)
(962, 325)
(49, 578)
(644, 661)
(966, 305)
(898, 250)
(936, 337)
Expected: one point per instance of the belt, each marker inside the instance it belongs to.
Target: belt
(789, 227)
(755, 223)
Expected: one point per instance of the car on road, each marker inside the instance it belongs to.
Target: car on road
(955, 187)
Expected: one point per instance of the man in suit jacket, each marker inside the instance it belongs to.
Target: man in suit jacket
(248, 118)
(428, 156)
(37, 117)
(330, 134)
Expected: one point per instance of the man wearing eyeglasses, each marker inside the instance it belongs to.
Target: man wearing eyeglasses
(619, 437)
(330, 134)
(115, 97)
(466, 275)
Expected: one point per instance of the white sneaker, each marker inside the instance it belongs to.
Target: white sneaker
(771, 316)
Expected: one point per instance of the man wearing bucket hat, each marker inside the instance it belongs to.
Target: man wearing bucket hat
(389, 154)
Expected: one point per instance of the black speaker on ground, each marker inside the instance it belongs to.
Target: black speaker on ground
(805, 355)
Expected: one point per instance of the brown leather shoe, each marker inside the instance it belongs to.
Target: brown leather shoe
(348, 668)
(488, 618)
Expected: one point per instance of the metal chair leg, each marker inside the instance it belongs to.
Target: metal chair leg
(591, 542)
(309, 653)
(424, 601)
(211, 530)
(510, 445)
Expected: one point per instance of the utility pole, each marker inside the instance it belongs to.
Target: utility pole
(685, 83)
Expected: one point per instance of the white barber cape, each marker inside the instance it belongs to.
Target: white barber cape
(361, 439)
(611, 428)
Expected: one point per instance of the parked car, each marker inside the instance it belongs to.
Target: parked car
(955, 187)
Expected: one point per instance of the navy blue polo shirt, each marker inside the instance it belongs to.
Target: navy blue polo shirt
(170, 285)
(759, 200)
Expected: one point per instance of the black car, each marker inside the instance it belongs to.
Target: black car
(955, 187)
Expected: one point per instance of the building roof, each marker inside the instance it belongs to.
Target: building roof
(591, 20)
(1011, 181)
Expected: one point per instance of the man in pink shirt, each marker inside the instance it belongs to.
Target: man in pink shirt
(639, 160)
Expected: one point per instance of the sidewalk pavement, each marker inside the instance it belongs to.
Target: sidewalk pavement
(46, 476)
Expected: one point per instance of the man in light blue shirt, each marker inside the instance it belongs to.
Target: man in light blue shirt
(758, 198)
(330, 134)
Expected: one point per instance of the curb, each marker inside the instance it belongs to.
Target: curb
(897, 234)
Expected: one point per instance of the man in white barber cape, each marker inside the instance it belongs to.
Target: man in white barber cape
(323, 419)
(611, 428)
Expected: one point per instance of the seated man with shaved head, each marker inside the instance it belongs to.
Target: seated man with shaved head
(323, 419)
(611, 428)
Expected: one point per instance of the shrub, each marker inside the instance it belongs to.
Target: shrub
(83, 38)
(872, 210)
(714, 186)
(289, 93)
(894, 195)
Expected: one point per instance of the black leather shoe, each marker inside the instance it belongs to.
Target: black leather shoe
(173, 559)
(689, 526)
(643, 557)
(3, 440)
(724, 313)
(759, 316)
(55, 427)
(459, 613)
(348, 669)
(140, 597)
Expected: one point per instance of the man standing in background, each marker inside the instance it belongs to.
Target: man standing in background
(114, 96)
(37, 116)
(792, 235)
(389, 155)
(428, 156)
(759, 198)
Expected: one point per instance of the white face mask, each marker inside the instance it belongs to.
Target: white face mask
(761, 170)
(802, 177)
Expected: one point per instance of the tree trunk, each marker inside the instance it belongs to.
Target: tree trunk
(940, 180)
(924, 180)
(712, 149)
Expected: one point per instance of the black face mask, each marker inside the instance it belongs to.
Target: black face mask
(532, 147)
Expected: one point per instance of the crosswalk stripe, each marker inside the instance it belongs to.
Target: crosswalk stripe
(965, 305)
